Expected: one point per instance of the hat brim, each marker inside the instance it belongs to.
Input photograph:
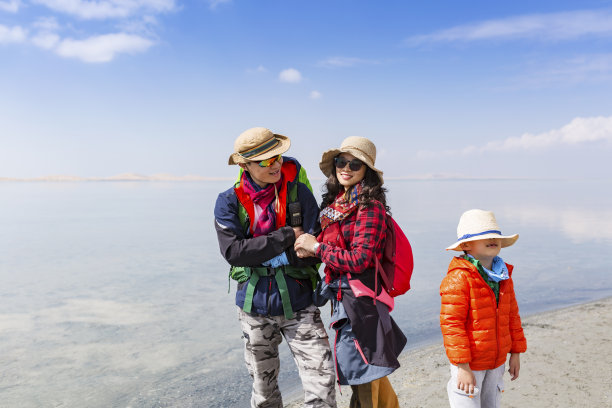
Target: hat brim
(327, 161)
(282, 147)
(506, 240)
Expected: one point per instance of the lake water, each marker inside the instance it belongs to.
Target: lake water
(114, 294)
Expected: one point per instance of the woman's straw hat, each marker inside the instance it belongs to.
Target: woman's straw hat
(257, 144)
(479, 224)
(360, 147)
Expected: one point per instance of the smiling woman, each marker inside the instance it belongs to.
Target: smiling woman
(353, 223)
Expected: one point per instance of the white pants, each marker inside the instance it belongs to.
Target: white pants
(490, 383)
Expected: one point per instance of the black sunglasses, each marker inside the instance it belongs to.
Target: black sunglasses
(341, 162)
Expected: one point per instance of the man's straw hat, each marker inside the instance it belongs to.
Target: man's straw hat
(479, 224)
(257, 144)
(360, 147)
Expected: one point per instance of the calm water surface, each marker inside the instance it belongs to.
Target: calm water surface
(115, 294)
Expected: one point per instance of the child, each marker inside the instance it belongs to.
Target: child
(479, 317)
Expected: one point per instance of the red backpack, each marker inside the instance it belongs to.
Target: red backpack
(397, 263)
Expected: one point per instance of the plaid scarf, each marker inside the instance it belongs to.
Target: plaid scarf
(341, 207)
(262, 197)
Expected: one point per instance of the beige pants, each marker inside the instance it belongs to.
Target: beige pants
(375, 394)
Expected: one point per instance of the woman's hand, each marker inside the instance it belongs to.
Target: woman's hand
(304, 245)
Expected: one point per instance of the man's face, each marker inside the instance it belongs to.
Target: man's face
(264, 175)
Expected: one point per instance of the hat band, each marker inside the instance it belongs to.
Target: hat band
(260, 149)
(466, 236)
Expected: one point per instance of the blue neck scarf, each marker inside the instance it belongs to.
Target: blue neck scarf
(499, 270)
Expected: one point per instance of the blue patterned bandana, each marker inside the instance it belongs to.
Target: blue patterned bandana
(499, 270)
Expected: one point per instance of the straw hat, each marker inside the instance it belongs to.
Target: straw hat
(257, 144)
(360, 147)
(479, 224)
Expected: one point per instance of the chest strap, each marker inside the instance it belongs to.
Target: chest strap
(279, 276)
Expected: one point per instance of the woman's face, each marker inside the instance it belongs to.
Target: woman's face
(346, 176)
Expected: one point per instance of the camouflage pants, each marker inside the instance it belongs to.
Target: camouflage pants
(307, 340)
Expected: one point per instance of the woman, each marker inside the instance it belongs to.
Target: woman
(353, 222)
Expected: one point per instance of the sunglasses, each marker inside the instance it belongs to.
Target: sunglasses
(269, 162)
(354, 165)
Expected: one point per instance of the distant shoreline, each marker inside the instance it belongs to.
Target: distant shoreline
(169, 177)
(120, 177)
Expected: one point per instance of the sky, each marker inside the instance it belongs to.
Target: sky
(443, 88)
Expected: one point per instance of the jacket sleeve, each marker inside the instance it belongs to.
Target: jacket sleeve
(369, 231)
(454, 291)
(236, 248)
(519, 342)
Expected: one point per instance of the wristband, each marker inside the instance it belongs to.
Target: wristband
(315, 247)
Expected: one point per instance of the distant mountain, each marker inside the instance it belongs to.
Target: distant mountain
(119, 177)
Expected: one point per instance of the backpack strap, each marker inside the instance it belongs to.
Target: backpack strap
(388, 252)
(279, 277)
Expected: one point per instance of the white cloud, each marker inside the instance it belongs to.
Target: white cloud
(259, 70)
(46, 24)
(12, 6)
(14, 34)
(553, 26)
(578, 131)
(46, 40)
(315, 95)
(102, 48)
(290, 75)
(108, 8)
(342, 62)
(566, 72)
(214, 3)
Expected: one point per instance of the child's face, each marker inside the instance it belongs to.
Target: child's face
(483, 249)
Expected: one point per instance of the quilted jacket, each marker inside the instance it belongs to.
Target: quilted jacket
(475, 329)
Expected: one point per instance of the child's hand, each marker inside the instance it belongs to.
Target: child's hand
(466, 381)
(515, 365)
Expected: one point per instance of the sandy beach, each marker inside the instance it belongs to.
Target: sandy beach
(568, 363)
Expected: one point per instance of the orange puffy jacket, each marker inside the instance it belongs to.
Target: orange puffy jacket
(475, 329)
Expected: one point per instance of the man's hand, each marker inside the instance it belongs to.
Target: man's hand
(298, 231)
(304, 245)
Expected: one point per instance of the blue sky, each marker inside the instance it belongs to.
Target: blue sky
(471, 88)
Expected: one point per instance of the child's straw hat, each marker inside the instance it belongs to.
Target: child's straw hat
(479, 224)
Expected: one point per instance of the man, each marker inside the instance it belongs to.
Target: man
(257, 222)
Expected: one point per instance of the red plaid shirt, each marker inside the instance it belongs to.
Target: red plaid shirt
(364, 234)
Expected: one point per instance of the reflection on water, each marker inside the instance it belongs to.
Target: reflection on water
(114, 294)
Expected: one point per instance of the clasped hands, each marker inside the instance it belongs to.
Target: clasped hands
(304, 244)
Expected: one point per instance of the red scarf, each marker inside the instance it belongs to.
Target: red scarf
(341, 207)
(263, 197)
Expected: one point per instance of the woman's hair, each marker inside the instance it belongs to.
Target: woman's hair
(372, 189)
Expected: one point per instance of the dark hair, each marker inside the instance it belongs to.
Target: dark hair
(372, 189)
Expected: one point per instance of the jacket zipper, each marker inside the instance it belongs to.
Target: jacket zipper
(496, 303)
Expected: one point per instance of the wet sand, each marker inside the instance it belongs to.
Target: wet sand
(568, 363)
